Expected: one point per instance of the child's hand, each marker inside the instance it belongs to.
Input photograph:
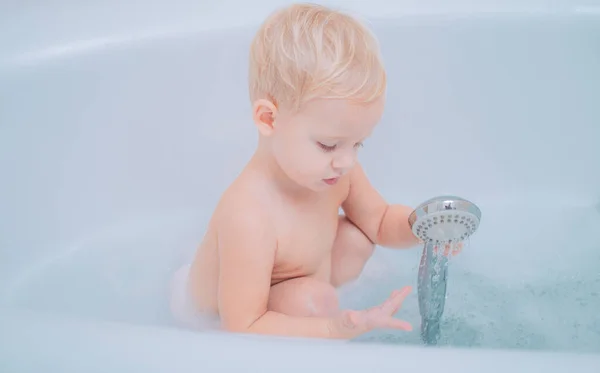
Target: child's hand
(449, 249)
(351, 323)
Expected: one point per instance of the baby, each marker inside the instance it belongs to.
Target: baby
(276, 247)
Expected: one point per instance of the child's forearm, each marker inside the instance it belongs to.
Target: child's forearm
(274, 323)
(394, 231)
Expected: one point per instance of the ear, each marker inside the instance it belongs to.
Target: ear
(264, 113)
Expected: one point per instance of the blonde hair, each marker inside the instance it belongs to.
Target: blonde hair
(308, 51)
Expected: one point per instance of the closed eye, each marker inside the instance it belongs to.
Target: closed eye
(326, 148)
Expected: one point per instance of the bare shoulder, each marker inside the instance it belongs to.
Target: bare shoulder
(241, 213)
(355, 181)
(357, 175)
(364, 206)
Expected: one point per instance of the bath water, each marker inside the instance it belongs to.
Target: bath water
(523, 282)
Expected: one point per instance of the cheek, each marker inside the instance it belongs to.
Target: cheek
(287, 151)
(314, 156)
(304, 156)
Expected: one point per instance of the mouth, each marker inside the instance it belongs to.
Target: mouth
(331, 181)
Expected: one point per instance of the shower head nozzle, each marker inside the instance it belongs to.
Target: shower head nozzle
(445, 219)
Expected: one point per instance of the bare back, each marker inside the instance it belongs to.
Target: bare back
(303, 229)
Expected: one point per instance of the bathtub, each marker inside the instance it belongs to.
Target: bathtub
(121, 126)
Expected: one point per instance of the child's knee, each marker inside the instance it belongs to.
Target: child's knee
(323, 300)
(351, 251)
(304, 296)
(351, 239)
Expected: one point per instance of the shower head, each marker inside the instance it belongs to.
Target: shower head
(439, 221)
(445, 219)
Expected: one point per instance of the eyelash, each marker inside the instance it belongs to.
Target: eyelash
(328, 149)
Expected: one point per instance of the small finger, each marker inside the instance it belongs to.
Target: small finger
(397, 298)
(400, 324)
(457, 249)
(447, 249)
(391, 305)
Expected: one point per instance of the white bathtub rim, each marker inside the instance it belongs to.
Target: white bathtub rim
(36, 52)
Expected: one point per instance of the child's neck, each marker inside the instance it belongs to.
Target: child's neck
(265, 163)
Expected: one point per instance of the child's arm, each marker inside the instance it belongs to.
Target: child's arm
(246, 258)
(384, 224)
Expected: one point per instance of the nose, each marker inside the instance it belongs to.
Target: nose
(344, 161)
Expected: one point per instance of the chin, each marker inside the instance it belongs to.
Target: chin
(321, 186)
(312, 185)
(300, 183)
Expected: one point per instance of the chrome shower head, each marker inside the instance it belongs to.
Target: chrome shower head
(439, 221)
(445, 219)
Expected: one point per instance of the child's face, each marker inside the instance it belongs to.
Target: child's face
(318, 145)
